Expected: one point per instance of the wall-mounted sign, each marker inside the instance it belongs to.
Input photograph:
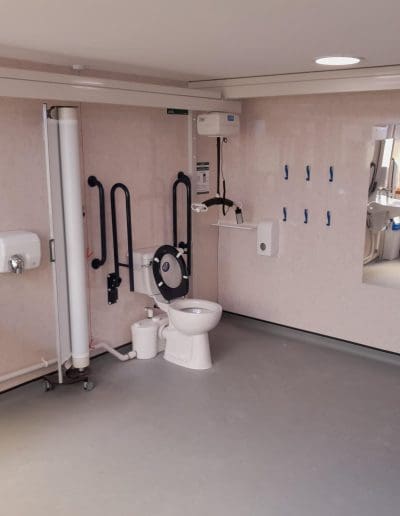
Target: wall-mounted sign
(203, 177)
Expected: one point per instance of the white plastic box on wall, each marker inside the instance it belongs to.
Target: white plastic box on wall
(23, 244)
(268, 237)
(218, 124)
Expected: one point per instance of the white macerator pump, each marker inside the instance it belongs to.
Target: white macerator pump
(74, 235)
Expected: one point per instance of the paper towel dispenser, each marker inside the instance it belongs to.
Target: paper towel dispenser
(19, 251)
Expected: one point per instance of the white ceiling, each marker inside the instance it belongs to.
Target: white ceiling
(184, 39)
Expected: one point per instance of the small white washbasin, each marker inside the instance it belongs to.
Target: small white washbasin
(385, 204)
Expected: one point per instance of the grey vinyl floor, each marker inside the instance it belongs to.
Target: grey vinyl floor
(284, 424)
(385, 273)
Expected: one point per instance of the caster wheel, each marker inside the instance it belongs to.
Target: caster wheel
(88, 386)
(47, 386)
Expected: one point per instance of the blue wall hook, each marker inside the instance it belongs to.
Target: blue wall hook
(286, 176)
(328, 218)
(306, 216)
(308, 173)
(331, 174)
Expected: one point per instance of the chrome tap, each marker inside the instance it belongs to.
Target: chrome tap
(383, 189)
(16, 264)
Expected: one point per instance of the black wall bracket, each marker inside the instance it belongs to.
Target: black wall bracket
(113, 282)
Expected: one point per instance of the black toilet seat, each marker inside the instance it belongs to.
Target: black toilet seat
(169, 293)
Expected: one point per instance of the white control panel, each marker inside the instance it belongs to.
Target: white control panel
(268, 237)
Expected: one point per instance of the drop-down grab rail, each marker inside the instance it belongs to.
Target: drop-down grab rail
(114, 280)
(186, 246)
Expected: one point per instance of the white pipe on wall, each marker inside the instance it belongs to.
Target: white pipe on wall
(375, 244)
(121, 356)
(31, 369)
(74, 235)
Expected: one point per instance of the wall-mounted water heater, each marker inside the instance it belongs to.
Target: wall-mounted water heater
(218, 124)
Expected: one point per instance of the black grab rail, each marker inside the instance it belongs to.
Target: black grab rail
(99, 262)
(114, 279)
(186, 246)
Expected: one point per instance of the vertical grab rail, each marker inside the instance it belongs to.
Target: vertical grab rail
(99, 262)
(114, 279)
(186, 246)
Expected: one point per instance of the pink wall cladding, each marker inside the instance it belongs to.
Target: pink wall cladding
(27, 328)
(141, 147)
(316, 281)
(144, 149)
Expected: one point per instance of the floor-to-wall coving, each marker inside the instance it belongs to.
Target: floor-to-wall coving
(315, 283)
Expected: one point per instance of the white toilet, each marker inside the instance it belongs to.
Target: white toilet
(161, 273)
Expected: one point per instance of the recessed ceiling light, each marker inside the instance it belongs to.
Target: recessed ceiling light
(337, 60)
